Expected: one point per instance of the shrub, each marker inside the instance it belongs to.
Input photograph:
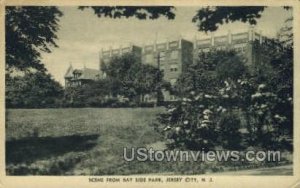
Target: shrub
(229, 126)
(190, 124)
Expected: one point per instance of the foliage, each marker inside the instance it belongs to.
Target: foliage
(286, 34)
(127, 82)
(273, 98)
(229, 126)
(231, 67)
(28, 32)
(140, 12)
(211, 17)
(206, 75)
(196, 121)
(134, 78)
(190, 124)
(262, 98)
(33, 90)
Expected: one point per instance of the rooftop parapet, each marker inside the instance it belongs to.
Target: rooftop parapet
(117, 51)
(228, 39)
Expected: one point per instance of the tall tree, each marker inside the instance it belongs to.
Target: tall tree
(210, 70)
(134, 78)
(29, 31)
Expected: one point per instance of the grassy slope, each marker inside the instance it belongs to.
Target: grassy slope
(87, 141)
(117, 128)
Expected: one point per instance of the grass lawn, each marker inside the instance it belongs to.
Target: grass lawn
(85, 141)
(47, 138)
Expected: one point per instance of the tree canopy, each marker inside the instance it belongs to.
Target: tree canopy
(134, 78)
(210, 70)
(211, 17)
(140, 12)
(33, 90)
(220, 96)
(29, 31)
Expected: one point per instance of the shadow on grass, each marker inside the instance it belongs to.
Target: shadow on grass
(29, 150)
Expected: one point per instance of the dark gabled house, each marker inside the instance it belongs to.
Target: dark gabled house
(77, 77)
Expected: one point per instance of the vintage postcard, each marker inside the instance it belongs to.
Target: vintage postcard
(141, 93)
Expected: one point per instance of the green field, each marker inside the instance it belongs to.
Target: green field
(75, 141)
(86, 141)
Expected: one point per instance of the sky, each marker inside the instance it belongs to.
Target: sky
(82, 34)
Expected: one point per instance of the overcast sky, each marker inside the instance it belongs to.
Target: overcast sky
(82, 34)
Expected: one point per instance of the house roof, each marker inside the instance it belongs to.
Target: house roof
(84, 74)
(89, 74)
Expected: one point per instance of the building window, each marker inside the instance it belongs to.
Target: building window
(244, 49)
(174, 54)
(162, 56)
(174, 68)
(240, 47)
(223, 48)
(76, 75)
(126, 50)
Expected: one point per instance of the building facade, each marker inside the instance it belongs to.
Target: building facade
(173, 57)
(245, 43)
(107, 55)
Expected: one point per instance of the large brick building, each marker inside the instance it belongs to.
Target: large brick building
(174, 56)
(244, 43)
(107, 55)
